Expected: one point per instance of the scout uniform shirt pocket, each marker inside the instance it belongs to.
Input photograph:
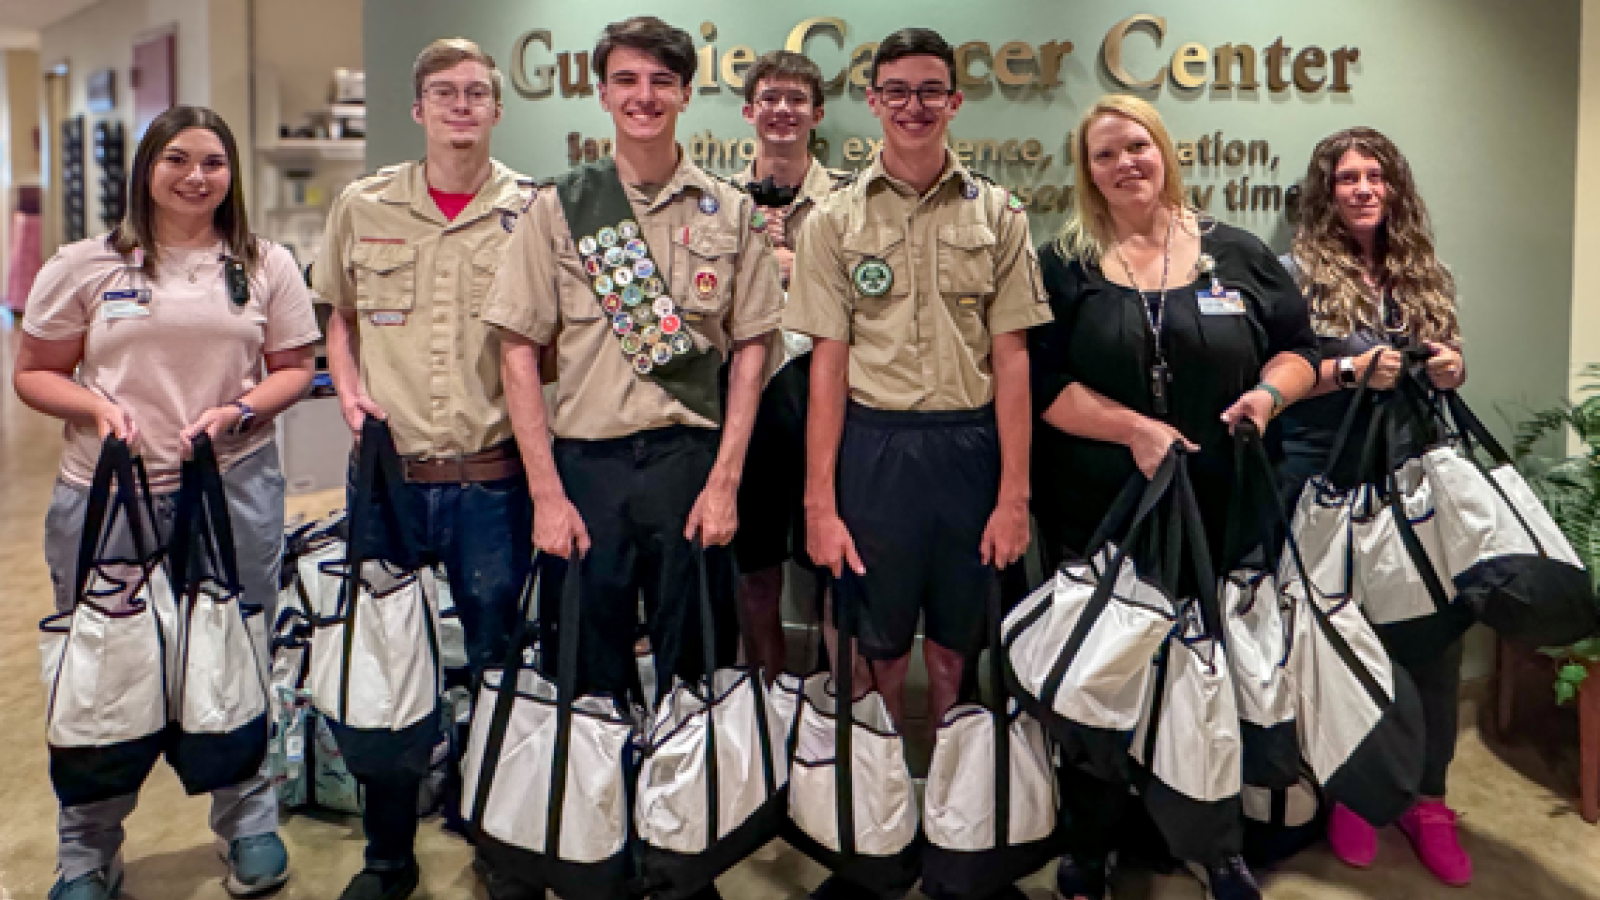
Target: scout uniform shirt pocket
(484, 264)
(574, 293)
(701, 280)
(386, 277)
(966, 278)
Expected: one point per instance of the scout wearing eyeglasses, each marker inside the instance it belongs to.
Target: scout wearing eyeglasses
(409, 257)
(917, 283)
(783, 101)
(641, 275)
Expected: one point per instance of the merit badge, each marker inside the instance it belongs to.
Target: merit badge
(614, 256)
(705, 282)
(644, 268)
(603, 285)
(758, 220)
(587, 246)
(661, 354)
(650, 335)
(642, 364)
(653, 287)
(628, 228)
(873, 277)
(612, 304)
(635, 249)
(709, 204)
(643, 315)
(631, 295)
(663, 306)
(508, 221)
(631, 344)
(1014, 203)
(623, 275)
(622, 323)
(682, 343)
(670, 324)
(593, 267)
(969, 191)
(606, 236)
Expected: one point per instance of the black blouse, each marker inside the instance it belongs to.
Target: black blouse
(1101, 339)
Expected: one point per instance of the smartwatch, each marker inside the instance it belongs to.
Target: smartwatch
(1347, 372)
(247, 418)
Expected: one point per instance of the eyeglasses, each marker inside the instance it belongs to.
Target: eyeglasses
(444, 94)
(774, 99)
(897, 96)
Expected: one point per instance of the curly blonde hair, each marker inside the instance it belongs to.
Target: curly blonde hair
(1331, 271)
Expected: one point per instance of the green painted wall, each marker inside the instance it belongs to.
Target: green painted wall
(1481, 95)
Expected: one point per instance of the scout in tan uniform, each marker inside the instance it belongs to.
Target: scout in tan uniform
(783, 101)
(917, 283)
(410, 255)
(642, 276)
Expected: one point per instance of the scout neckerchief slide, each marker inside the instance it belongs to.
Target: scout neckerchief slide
(631, 287)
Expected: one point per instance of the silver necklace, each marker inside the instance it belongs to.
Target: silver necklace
(1160, 374)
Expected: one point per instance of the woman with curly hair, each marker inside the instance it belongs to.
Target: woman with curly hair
(1364, 257)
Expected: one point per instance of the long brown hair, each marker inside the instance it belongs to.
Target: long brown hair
(137, 229)
(1329, 259)
(1088, 230)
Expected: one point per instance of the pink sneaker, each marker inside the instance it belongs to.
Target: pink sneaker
(1431, 826)
(1353, 840)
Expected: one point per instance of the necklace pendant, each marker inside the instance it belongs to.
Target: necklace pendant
(1160, 379)
(191, 276)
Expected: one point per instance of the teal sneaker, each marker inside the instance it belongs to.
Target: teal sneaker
(256, 864)
(96, 885)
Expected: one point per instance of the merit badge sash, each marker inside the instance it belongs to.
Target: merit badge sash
(631, 288)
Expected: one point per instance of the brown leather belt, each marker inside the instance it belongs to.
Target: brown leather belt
(494, 464)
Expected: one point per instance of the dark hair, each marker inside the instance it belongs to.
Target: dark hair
(447, 53)
(669, 45)
(784, 65)
(912, 42)
(138, 230)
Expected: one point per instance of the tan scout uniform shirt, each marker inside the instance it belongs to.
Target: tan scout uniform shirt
(964, 269)
(544, 295)
(819, 182)
(417, 282)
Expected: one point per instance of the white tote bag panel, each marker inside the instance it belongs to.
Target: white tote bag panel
(959, 803)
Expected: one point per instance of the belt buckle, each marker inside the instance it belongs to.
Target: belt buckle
(460, 461)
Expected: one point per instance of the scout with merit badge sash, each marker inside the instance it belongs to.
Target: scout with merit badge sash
(630, 286)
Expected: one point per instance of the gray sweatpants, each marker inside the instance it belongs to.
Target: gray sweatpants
(91, 834)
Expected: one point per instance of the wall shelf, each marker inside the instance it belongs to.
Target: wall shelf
(292, 150)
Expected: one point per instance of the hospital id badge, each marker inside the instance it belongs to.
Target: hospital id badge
(1219, 302)
(124, 309)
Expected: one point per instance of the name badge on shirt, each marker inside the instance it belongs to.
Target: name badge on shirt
(124, 309)
(1219, 302)
(387, 318)
(137, 295)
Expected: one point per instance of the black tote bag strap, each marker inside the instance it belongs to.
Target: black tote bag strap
(1000, 715)
(201, 515)
(115, 469)
(708, 653)
(1335, 639)
(569, 627)
(505, 698)
(1138, 493)
(1199, 555)
(846, 609)
(1364, 398)
(1408, 533)
(1471, 428)
(1150, 495)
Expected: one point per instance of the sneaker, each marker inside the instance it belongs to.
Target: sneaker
(385, 884)
(836, 888)
(256, 864)
(1229, 879)
(1431, 826)
(1081, 878)
(1352, 839)
(96, 885)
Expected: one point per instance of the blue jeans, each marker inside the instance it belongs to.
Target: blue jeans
(482, 533)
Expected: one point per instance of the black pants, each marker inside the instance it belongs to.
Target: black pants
(1439, 684)
(635, 494)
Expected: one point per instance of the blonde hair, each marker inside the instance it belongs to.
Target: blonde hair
(1331, 273)
(446, 53)
(1089, 231)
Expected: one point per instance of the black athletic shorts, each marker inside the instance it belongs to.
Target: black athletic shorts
(634, 495)
(916, 490)
(772, 516)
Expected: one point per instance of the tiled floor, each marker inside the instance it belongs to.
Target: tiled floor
(1519, 821)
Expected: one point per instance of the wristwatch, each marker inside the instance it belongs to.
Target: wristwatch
(1347, 372)
(247, 418)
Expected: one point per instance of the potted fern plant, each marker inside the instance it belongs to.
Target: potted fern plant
(1569, 487)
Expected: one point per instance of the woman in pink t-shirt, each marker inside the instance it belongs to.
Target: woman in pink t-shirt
(178, 321)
